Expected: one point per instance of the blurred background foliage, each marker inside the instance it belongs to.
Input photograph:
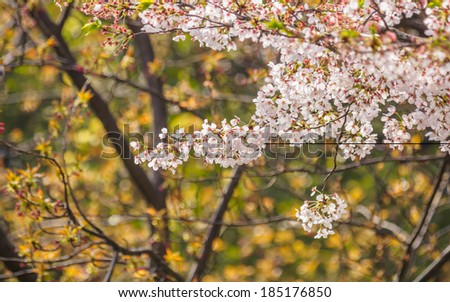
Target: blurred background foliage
(44, 112)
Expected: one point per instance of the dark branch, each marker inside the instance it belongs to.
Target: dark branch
(159, 109)
(198, 268)
(154, 256)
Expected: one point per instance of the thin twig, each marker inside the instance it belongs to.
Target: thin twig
(355, 165)
(111, 267)
(341, 133)
(61, 173)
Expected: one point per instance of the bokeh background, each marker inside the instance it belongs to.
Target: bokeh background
(44, 112)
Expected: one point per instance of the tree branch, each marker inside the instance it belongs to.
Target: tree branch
(359, 164)
(199, 267)
(435, 266)
(383, 227)
(154, 255)
(111, 267)
(51, 261)
(418, 235)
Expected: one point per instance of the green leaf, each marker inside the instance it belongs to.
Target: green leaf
(144, 5)
(435, 3)
(91, 26)
(349, 34)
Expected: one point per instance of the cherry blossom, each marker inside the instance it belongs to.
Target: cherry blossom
(321, 212)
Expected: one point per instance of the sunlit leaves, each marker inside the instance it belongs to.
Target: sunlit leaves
(83, 98)
(173, 257)
(70, 234)
(434, 3)
(44, 147)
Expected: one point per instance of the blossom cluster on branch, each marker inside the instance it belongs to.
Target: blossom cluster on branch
(344, 67)
(227, 145)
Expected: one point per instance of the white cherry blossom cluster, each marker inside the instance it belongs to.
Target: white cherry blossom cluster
(321, 212)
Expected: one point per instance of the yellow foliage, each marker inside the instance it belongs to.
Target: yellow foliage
(268, 203)
(354, 254)
(15, 135)
(308, 267)
(83, 97)
(284, 237)
(237, 273)
(356, 194)
(287, 254)
(298, 246)
(172, 257)
(334, 242)
(262, 235)
(142, 274)
(155, 67)
(414, 214)
(25, 251)
(218, 245)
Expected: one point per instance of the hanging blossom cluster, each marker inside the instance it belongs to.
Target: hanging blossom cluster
(345, 68)
(321, 212)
